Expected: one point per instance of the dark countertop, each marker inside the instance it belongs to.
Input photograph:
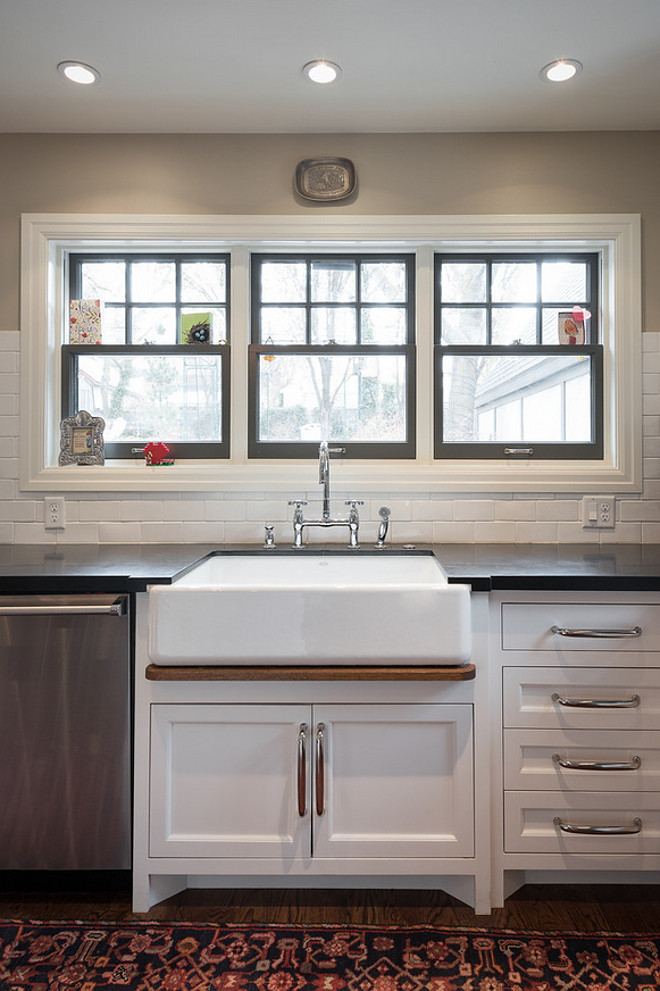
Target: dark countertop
(131, 567)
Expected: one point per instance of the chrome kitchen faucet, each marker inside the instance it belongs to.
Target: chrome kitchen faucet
(352, 521)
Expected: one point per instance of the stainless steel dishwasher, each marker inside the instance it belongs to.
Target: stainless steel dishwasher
(65, 738)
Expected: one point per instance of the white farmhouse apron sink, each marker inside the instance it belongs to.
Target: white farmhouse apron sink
(315, 609)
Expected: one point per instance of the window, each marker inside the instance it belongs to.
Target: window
(269, 448)
(162, 369)
(519, 362)
(332, 355)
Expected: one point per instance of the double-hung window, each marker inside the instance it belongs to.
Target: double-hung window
(518, 356)
(161, 371)
(332, 355)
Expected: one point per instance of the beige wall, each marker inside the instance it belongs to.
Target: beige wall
(608, 172)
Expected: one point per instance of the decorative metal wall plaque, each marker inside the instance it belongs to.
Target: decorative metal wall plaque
(324, 179)
(81, 439)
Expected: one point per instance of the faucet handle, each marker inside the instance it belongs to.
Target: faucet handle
(354, 502)
(297, 502)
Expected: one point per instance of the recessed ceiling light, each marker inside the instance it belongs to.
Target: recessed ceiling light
(78, 72)
(321, 71)
(561, 70)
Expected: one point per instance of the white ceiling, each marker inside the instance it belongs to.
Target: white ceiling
(408, 65)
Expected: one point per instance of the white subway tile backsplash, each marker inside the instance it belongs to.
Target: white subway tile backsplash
(495, 532)
(119, 533)
(140, 510)
(452, 533)
(557, 509)
(98, 511)
(268, 511)
(474, 509)
(162, 533)
(515, 509)
(203, 533)
(536, 533)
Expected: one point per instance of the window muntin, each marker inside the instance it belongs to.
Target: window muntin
(332, 355)
(142, 380)
(519, 364)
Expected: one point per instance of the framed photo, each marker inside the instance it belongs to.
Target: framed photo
(571, 327)
(81, 439)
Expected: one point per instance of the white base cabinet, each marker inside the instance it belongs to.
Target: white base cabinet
(579, 678)
(325, 781)
(347, 782)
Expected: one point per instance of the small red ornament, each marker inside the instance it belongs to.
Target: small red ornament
(156, 453)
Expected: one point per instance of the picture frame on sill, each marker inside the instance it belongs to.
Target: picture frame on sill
(81, 439)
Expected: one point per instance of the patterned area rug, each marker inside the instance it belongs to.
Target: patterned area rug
(145, 956)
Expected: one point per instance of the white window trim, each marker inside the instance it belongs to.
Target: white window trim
(46, 238)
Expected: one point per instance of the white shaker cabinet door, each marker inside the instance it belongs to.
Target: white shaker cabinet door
(229, 781)
(393, 781)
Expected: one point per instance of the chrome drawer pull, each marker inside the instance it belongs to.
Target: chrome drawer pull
(563, 631)
(570, 827)
(320, 769)
(302, 770)
(630, 703)
(594, 765)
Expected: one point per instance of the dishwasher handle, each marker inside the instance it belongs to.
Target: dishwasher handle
(116, 608)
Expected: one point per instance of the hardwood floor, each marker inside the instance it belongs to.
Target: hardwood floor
(583, 908)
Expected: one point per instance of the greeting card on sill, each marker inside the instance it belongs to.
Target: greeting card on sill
(85, 321)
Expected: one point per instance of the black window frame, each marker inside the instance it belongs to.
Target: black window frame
(70, 353)
(256, 349)
(593, 351)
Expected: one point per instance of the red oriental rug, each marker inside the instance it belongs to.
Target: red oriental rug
(144, 956)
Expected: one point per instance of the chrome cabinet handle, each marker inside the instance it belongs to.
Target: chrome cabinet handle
(594, 765)
(630, 703)
(570, 827)
(302, 770)
(320, 768)
(114, 609)
(563, 631)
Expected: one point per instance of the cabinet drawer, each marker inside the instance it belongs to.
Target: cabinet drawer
(582, 698)
(584, 626)
(530, 827)
(631, 760)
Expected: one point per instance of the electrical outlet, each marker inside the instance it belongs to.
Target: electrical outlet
(598, 513)
(54, 513)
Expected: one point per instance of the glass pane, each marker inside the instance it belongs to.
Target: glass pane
(284, 282)
(154, 397)
(463, 282)
(203, 282)
(283, 325)
(542, 411)
(513, 282)
(153, 282)
(218, 322)
(154, 325)
(113, 325)
(334, 325)
(343, 398)
(509, 398)
(333, 281)
(104, 280)
(383, 282)
(564, 326)
(514, 325)
(463, 326)
(578, 409)
(383, 325)
(563, 280)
